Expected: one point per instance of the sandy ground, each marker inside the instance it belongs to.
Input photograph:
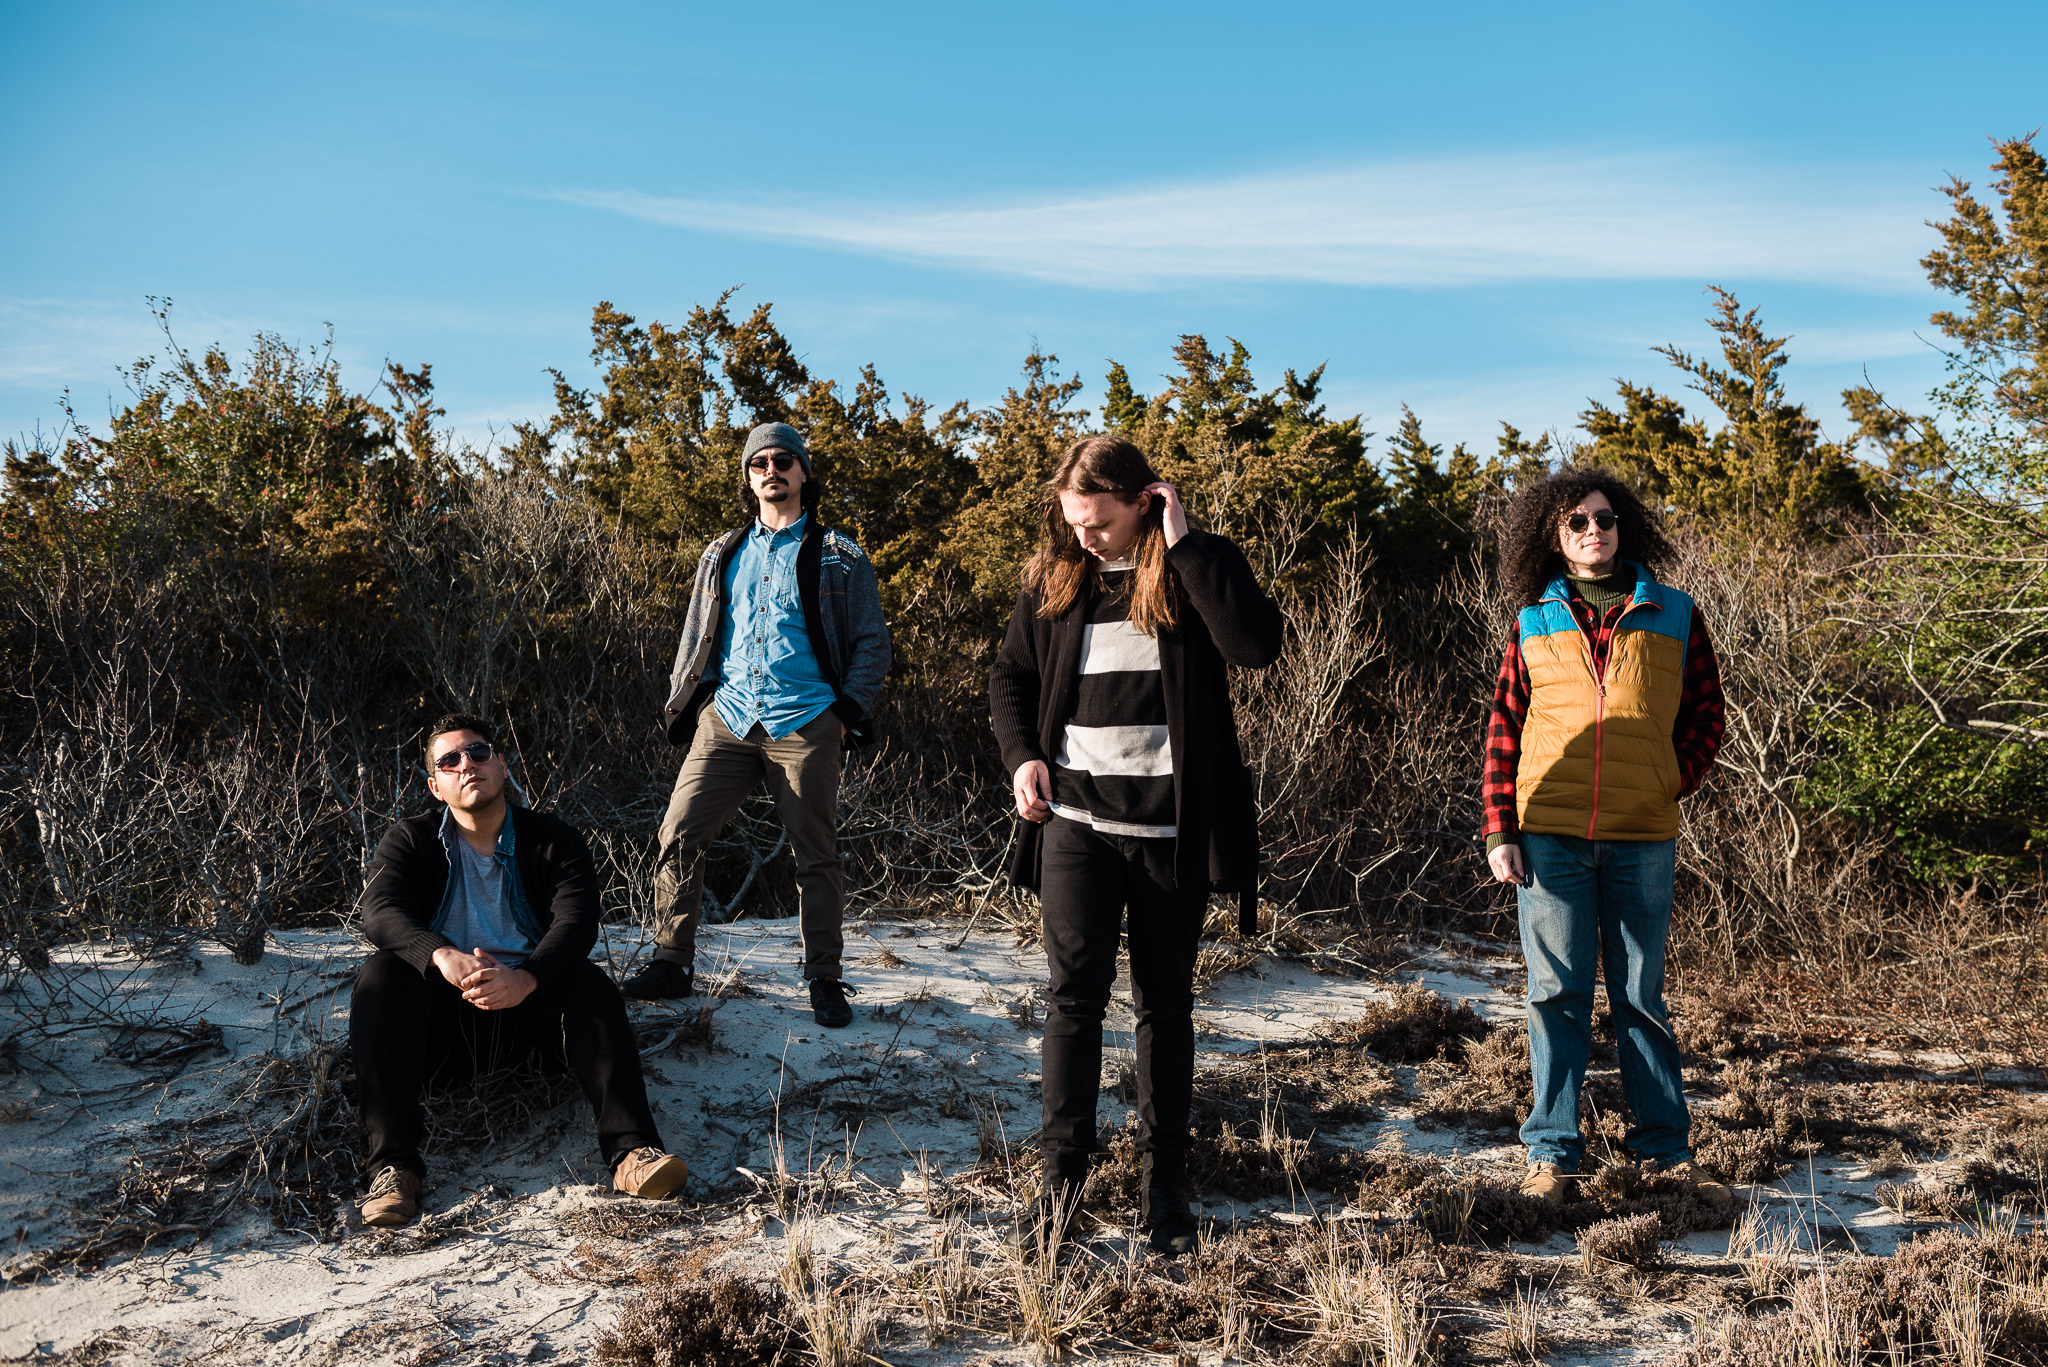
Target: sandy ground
(105, 1076)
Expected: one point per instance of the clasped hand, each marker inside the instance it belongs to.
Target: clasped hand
(485, 983)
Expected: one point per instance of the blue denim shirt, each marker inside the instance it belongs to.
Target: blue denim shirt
(485, 904)
(768, 671)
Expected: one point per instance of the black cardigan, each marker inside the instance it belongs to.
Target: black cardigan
(410, 875)
(1225, 618)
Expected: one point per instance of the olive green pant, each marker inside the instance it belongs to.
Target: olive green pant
(802, 772)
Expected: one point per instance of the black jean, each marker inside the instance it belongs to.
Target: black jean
(1089, 885)
(407, 1029)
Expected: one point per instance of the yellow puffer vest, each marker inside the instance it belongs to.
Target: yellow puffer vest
(1597, 759)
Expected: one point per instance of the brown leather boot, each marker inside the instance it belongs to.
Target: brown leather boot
(648, 1172)
(1548, 1183)
(1710, 1190)
(393, 1199)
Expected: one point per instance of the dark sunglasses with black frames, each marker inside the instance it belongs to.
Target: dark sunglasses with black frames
(782, 462)
(479, 752)
(1578, 522)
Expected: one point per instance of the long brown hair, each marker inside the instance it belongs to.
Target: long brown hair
(1060, 572)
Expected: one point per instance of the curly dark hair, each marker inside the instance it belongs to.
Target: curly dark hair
(1529, 553)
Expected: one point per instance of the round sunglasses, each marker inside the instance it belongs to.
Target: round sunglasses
(479, 751)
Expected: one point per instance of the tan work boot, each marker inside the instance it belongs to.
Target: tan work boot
(1710, 1190)
(393, 1199)
(1548, 1183)
(650, 1173)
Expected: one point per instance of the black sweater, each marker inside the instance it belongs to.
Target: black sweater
(410, 875)
(1225, 618)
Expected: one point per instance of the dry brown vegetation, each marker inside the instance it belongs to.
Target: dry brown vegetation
(225, 624)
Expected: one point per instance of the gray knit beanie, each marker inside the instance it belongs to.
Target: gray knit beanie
(777, 436)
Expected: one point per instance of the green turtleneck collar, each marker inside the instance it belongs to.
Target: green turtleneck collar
(1607, 590)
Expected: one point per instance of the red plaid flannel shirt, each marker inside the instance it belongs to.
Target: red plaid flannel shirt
(1696, 734)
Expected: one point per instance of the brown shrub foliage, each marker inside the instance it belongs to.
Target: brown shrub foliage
(1630, 1240)
(1412, 1025)
(724, 1321)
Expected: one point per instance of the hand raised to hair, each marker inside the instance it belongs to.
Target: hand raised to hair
(1173, 518)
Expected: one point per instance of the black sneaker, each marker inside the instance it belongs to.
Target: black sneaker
(1169, 1227)
(828, 1002)
(661, 979)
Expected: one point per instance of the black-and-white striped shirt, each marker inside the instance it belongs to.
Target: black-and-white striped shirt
(1114, 769)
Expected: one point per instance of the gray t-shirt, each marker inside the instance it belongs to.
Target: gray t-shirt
(480, 902)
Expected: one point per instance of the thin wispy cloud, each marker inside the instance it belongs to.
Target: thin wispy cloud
(1419, 224)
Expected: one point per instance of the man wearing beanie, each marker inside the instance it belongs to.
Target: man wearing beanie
(783, 651)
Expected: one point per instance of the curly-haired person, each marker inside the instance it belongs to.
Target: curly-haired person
(1606, 713)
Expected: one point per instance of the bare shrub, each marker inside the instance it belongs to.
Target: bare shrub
(1372, 710)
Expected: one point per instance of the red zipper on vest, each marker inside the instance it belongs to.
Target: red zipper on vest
(1600, 704)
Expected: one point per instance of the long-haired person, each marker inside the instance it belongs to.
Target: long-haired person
(1607, 711)
(1111, 705)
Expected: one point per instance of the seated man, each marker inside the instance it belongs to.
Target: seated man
(483, 915)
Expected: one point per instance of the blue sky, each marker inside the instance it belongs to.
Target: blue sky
(1487, 212)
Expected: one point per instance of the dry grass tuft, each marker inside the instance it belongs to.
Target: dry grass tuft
(2013, 1166)
(1488, 1088)
(1631, 1241)
(722, 1322)
(943, 1284)
(1056, 1302)
(1756, 1129)
(1521, 1327)
(1366, 1314)
(1481, 1209)
(1946, 1298)
(1217, 960)
(1321, 1082)
(1413, 1025)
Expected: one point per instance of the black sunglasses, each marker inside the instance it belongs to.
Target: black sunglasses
(1576, 522)
(478, 750)
(760, 463)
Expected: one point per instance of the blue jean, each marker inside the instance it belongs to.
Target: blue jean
(1591, 903)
